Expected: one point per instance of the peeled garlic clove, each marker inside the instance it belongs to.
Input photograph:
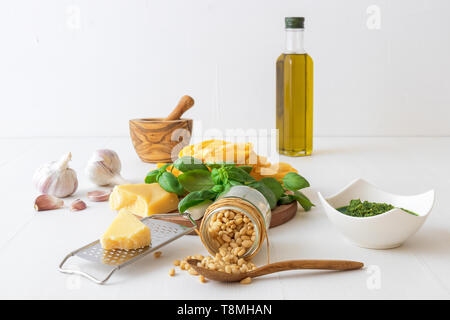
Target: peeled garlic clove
(56, 178)
(104, 168)
(78, 205)
(47, 202)
(99, 195)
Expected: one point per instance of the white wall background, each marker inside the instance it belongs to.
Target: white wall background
(84, 67)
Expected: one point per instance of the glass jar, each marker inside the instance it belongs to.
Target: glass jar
(249, 203)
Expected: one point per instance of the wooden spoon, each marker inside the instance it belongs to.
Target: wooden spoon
(185, 103)
(276, 267)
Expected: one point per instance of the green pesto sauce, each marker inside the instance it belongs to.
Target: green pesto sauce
(357, 208)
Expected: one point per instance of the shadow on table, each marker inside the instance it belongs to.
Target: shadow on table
(429, 242)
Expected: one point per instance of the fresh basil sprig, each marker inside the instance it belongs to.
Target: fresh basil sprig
(210, 181)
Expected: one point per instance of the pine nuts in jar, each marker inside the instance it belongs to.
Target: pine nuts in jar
(236, 225)
(233, 230)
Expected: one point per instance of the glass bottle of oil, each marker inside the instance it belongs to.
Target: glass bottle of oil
(294, 93)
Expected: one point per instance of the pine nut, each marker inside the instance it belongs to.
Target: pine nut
(247, 280)
(171, 272)
(247, 243)
(211, 266)
(193, 272)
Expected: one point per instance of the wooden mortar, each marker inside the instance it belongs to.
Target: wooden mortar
(161, 139)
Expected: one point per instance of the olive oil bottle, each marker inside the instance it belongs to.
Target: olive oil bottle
(294, 96)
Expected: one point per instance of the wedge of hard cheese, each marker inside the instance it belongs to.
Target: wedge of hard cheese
(126, 232)
(143, 199)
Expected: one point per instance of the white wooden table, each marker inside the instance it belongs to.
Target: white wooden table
(32, 244)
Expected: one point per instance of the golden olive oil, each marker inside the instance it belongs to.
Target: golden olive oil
(294, 97)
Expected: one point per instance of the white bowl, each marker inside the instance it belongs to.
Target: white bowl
(384, 231)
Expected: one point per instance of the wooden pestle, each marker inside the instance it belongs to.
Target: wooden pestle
(185, 103)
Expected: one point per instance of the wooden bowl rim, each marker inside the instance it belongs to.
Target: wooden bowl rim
(159, 120)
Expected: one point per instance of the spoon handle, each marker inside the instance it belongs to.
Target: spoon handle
(306, 264)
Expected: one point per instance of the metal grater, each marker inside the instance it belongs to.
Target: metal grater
(162, 232)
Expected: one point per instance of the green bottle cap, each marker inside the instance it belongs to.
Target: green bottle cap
(294, 22)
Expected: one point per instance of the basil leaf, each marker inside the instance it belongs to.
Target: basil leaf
(303, 200)
(169, 182)
(274, 185)
(238, 174)
(293, 181)
(194, 198)
(286, 199)
(248, 169)
(164, 167)
(297, 196)
(226, 188)
(218, 188)
(266, 192)
(187, 163)
(222, 164)
(196, 180)
(234, 183)
(152, 176)
(219, 175)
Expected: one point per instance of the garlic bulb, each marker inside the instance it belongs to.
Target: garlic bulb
(104, 168)
(56, 178)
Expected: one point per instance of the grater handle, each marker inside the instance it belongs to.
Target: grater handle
(81, 273)
(174, 214)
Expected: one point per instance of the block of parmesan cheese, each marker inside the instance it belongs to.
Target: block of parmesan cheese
(126, 232)
(143, 199)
